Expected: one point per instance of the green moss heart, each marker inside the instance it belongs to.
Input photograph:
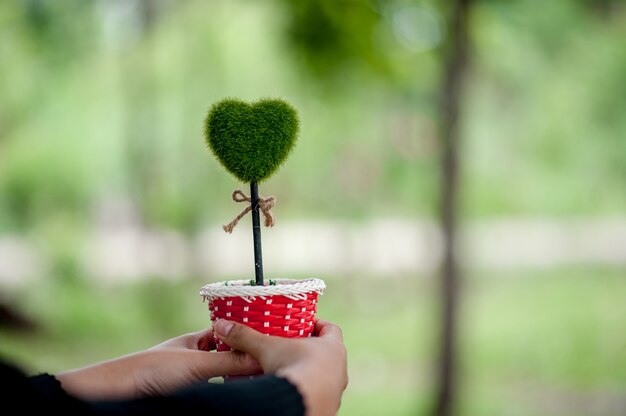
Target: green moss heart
(251, 140)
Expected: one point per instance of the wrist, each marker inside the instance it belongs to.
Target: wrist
(317, 398)
(109, 380)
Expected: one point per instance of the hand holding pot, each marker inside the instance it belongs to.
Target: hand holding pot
(160, 370)
(317, 366)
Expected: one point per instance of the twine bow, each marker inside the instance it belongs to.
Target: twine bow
(265, 205)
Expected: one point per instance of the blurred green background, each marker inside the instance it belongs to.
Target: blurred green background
(110, 204)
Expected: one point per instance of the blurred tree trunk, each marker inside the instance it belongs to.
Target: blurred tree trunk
(454, 68)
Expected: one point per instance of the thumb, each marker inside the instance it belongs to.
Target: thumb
(242, 338)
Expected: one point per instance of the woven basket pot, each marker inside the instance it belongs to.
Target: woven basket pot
(286, 308)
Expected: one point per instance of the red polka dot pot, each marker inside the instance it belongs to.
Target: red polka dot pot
(284, 308)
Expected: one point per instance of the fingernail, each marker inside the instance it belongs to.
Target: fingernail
(223, 327)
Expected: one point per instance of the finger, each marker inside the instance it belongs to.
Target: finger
(215, 364)
(206, 340)
(187, 341)
(328, 329)
(201, 340)
(242, 338)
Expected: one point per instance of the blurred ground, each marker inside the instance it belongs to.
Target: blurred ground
(533, 343)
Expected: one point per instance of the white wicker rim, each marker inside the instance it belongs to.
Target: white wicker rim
(293, 289)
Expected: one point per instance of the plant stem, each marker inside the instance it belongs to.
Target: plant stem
(256, 234)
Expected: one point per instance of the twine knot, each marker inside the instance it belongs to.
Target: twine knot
(265, 205)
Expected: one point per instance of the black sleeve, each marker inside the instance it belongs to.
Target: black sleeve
(32, 395)
(265, 395)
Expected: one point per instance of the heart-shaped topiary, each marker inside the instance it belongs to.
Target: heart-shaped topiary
(251, 140)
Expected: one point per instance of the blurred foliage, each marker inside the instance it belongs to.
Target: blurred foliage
(104, 101)
(107, 98)
(333, 36)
